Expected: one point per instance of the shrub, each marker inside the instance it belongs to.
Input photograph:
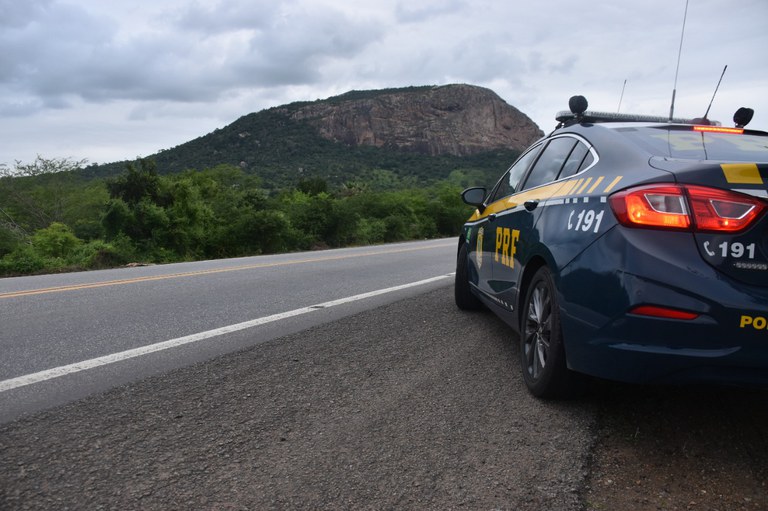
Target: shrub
(99, 254)
(22, 261)
(55, 241)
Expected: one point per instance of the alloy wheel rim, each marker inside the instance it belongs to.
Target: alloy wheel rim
(538, 331)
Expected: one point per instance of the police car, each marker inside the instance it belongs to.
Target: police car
(628, 248)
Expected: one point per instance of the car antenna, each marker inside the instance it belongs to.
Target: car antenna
(715, 93)
(622, 95)
(677, 69)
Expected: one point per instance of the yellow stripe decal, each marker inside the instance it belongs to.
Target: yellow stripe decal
(599, 180)
(565, 189)
(541, 193)
(613, 183)
(557, 189)
(742, 173)
(578, 184)
(586, 184)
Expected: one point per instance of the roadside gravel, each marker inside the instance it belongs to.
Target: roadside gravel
(679, 448)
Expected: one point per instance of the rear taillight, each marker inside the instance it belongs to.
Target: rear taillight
(652, 206)
(686, 207)
(722, 210)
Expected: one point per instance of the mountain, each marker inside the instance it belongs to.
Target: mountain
(423, 132)
(459, 120)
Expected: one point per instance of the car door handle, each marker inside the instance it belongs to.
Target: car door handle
(530, 205)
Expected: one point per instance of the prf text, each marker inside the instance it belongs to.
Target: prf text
(506, 245)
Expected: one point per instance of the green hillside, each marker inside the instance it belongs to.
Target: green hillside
(282, 152)
(265, 183)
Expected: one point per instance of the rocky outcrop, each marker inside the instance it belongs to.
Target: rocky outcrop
(451, 119)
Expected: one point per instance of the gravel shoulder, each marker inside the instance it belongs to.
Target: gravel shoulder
(679, 448)
(414, 405)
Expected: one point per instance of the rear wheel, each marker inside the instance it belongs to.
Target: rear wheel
(541, 341)
(465, 300)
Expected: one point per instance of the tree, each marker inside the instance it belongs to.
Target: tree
(136, 206)
(313, 186)
(310, 214)
(140, 181)
(34, 195)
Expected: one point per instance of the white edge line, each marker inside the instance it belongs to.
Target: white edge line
(77, 367)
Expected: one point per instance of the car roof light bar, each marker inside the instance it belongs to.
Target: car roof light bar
(594, 116)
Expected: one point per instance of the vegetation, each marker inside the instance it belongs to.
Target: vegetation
(56, 216)
(265, 183)
(283, 151)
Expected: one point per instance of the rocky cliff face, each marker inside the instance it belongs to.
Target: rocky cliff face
(451, 119)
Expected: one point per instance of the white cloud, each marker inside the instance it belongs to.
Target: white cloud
(423, 11)
(109, 80)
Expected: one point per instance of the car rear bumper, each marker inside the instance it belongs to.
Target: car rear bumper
(726, 343)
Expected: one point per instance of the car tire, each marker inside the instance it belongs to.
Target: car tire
(465, 300)
(542, 353)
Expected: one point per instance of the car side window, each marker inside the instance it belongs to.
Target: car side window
(588, 160)
(576, 160)
(510, 182)
(552, 160)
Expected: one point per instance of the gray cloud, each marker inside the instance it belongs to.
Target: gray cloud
(56, 50)
(293, 49)
(135, 68)
(415, 12)
(222, 17)
(14, 15)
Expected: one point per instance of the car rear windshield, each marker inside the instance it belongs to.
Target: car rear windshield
(684, 143)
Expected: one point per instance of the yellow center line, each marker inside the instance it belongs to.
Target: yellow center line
(120, 282)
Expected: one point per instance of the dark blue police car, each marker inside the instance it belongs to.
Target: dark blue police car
(629, 248)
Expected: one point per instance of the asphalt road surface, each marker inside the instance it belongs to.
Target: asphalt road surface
(95, 330)
(411, 405)
(405, 404)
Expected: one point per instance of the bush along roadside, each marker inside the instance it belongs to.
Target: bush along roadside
(55, 222)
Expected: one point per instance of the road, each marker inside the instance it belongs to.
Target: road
(51, 322)
(411, 405)
(404, 404)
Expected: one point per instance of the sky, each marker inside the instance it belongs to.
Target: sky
(107, 80)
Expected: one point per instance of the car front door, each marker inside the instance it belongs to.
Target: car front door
(486, 252)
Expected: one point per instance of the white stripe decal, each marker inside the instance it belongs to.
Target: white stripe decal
(57, 372)
(753, 192)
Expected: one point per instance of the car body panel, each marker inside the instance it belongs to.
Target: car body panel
(604, 270)
(665, 270)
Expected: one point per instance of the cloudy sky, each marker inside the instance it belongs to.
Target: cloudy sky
(108, 80)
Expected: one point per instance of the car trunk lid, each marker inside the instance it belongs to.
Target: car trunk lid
(741, 253)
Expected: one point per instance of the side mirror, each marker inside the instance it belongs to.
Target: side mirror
(474, 197)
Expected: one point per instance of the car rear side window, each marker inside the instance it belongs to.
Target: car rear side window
(551, 161)
(579, 159)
